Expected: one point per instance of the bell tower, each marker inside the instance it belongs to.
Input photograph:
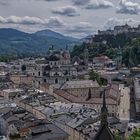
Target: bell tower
(67, 55)
(119, 58)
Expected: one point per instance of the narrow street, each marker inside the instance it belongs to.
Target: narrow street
(124, 108)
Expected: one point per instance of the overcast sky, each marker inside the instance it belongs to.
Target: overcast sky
(77, 18)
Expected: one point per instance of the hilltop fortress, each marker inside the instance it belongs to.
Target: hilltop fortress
(127, 30)
(120, 29)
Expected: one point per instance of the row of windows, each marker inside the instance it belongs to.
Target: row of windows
(57, 63)
(56, 73)
(56, 80)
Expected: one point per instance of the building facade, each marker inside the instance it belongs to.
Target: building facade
(57, 69)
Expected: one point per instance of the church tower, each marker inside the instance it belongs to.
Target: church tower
(104, 132)
(67, 56)
(85, 56)
(119, 58)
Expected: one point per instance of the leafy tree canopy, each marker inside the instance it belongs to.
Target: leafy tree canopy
(95, 76)
(130, 50)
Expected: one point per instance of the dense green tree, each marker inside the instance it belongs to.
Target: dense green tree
(7, 58)
(131, 53)
(135, 135)
(118, 137)
(94, 50)
(95, 76)
(129, 48)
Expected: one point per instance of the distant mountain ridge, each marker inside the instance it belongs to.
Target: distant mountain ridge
(13, 41)
(50, 33)
(54, 34)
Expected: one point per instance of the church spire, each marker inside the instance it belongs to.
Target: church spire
(104, 111)
(104, 132)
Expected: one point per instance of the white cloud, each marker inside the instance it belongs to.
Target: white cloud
(55, 22)
(99, 4)
(4, 2)
(30, 24)
(80, 2)
(51, 0)
(116, 21)
(66, 11)
(81, 27)
(128, 7)
(26, 20)
(22, 20)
